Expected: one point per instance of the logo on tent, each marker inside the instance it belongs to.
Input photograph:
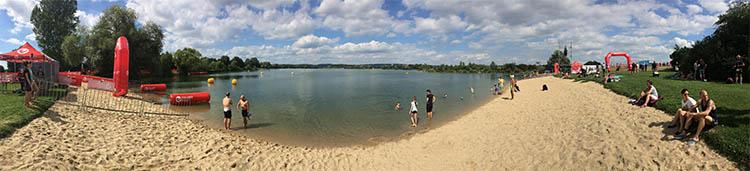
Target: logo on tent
(22, 51)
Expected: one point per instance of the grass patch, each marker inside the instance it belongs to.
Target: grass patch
(731, 137)
(14, 115)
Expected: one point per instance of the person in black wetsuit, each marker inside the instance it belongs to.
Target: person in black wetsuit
(429, 101)
(707, 116)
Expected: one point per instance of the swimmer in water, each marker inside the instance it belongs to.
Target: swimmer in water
(398, 105)
(413, 111)
(445, 95)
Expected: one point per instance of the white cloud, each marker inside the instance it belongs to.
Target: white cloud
(14, 41)
(439, 26)
(681, 42)
(715, 6)
(475, 45)
(20, 12)
(359, 17)
(312, 41)
(87, 19)
(30, 37)
(693, 9)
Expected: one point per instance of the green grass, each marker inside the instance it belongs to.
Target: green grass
(731, 137)
(14, 115)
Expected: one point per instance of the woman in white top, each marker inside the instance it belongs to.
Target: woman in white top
(649, 94)
(413, 111)
(687, 106)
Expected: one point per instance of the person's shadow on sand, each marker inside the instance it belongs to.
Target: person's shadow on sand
(666, 131)
(253, 126)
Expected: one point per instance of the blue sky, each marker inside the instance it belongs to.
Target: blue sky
(404, 31)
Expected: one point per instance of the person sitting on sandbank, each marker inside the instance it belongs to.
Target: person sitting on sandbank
(706, 118)
(648, 94)
(688, 104)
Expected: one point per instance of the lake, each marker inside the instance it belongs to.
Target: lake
(335, 107)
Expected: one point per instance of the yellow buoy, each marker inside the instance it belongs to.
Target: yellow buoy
(211, 80)
(407, 73)
(261, 73)
(234, 81)
(292, 73)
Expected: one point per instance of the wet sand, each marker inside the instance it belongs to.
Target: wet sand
(536, 131)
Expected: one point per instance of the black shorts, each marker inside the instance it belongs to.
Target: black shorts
(25, 86)
(429, 107)
(245, 114)
(228, 114)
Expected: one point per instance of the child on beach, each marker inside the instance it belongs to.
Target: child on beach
(413, 111)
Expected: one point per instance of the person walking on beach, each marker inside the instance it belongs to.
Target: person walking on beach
(707, 117)
(227, 111)
(413, 111)
(687, 106)
(244, 106)
(27, 84)
(429, 101)
(738, 70)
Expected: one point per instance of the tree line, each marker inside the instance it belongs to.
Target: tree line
(718, 50)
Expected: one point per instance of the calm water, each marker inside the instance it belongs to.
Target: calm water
(336, 107)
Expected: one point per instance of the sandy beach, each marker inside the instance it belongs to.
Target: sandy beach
(573, 126)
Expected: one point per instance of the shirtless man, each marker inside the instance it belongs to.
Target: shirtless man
(243, 105)
(227, 111)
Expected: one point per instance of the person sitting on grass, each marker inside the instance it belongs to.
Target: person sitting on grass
(688, 104)
(648, 94)
(706, 118)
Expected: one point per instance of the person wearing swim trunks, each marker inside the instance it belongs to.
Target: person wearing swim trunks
(227, 111)
(413, 111)
(738, 70)
(243, 105)
(708, 116)
(429, 101)
(512, 87)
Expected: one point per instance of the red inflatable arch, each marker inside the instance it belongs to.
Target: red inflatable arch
(606, 59)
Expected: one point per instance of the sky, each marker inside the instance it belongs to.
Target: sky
(404, 31)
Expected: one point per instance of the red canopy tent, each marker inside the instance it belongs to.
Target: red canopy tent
(575, 67)
(26, 53)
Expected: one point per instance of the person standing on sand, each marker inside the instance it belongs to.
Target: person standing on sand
(708, 116)
(227, 111)
(512, 87)
(413, 111)
(429, 101)
(687, 106)
(244, 106)
(738, 70)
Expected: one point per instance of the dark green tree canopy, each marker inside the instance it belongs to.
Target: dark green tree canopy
(53, 20)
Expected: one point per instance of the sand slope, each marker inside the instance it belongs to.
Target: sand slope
(536, 131)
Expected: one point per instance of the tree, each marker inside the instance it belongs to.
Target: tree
(114, 22)
(186, 60)
(239, 63)
(493, 66)
(225, 60)
(166, 63)
(73, 49)
(53, 20)
(235, 66)
(253, 62)
(147, 47)
(557, 57)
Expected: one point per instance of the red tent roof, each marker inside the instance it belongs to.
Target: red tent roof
(26, 53)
